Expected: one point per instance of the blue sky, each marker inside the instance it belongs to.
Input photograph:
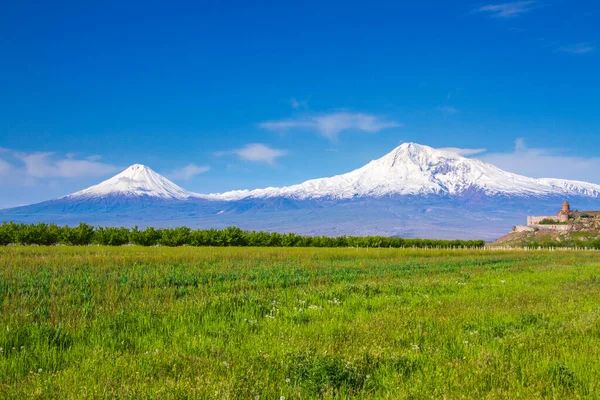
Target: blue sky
(230, 95)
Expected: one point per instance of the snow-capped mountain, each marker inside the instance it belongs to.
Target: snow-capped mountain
(136, 181)
(417, 170)
(414, 191)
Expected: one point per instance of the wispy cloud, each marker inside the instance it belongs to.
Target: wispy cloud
(331, 125)
(27, 168)
(545, 163)
(188, 172)
(447, 109)
(463, 152)
(256, 152)
(577, 48)
(52, 165)
(4, 167)
(509, 10)
(298, 104)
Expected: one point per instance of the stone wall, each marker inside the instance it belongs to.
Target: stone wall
(522, 228)
(556, 228)
(535, 220)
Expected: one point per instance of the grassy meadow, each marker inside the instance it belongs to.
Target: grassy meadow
(298, 323)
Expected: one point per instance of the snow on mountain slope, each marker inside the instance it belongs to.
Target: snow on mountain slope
(136, 181)
(413, 191)
(409, 170)
(413, 169)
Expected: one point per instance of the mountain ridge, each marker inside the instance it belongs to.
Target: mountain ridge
(413, 191)
(413, 169)
(410, 169)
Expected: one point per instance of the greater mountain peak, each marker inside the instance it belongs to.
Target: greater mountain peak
(417, 154)
(136, 181)
(417, 170)
(411, 169)
(414, 190)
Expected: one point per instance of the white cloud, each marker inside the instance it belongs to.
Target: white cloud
(546, 163)
(463, 152)
(256, 152)
(447, 109)
(188, 172)
(508, 10)
(330, 125)
(47, 165)
(4, 167)
(578, 48)
(25, 168)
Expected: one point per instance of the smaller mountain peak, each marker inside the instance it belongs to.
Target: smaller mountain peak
(137, 168)
(138, 171)
(137, 180)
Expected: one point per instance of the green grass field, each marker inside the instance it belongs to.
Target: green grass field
(271, 323)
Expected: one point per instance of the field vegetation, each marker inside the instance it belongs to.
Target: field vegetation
(84, 234)
(274, 323)
(549, 221)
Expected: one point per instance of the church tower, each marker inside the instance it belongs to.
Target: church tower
(566, 209)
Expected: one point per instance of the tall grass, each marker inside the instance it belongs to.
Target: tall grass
(134, 322)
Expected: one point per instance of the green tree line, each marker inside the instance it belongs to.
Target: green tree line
(84, 234)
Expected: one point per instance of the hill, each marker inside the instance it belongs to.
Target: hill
(583, 231)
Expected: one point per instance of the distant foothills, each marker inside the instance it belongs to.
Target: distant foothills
(413, 191)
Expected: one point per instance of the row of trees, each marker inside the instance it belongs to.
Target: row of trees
(46, 235)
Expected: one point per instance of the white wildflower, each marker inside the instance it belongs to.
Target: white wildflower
(288, 380)
(225, 363)
(415, 346)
